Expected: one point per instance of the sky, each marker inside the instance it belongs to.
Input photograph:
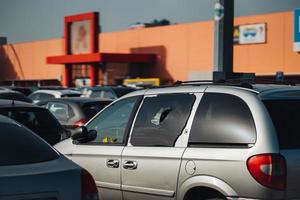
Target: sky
(29, 20)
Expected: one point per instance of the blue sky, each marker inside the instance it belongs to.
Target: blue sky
(28, 20)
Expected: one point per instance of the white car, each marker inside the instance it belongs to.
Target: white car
(31, 169)
(43, 95)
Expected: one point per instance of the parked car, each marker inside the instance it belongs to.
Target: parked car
(51, 87)
(199, 141)
(73, 112)
(36, 118)
(13, 95)
(107, 92)
(24, 90)
(31, 169)
(43, 95)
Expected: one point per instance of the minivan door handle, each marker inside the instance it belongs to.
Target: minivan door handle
(129, 164)
(112, 163)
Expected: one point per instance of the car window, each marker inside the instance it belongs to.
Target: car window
(285, 115)
(34, 96)
(111, 124)
(59, 110)
(95, 93)
(161, 119)
(87, 93)
(44, 96)
(222, 119)
(20, 146)
(92, 109)
(39, 121)
(108, 94)
(122, 91)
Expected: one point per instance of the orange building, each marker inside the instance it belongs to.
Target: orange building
(184, 51)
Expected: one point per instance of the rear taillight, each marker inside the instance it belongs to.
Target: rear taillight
(88, 187)
(81, 122)
(269, 170)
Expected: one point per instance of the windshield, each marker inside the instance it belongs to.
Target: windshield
(285, 115)
(39, 121)
(20, 146)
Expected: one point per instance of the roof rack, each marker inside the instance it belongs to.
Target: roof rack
(243, 82)
(193, 82)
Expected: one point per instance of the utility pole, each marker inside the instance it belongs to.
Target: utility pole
(223, 45)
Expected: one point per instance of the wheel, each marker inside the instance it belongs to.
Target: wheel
(204, 194)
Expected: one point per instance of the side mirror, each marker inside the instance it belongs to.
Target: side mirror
(82, 135)
(65, 134)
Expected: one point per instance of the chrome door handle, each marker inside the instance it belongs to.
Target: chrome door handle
(112, 163)
(128, 164)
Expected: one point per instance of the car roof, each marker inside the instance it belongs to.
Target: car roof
(260, 89)
(81, 100)
(57, 92)
(107, 87)
(6, 90)
(4, 103)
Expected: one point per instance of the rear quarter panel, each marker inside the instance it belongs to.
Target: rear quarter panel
(225, 169)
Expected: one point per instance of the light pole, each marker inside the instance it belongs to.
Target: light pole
(223, 45)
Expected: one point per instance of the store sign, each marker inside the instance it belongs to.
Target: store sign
(297, 30)
(81, 33)
(81, 37)
(252, 34)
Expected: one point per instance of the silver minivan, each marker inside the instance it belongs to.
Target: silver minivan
(195, 142)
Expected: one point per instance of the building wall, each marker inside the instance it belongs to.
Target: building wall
(182, 49)
(277, 54)
(28, 60)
